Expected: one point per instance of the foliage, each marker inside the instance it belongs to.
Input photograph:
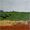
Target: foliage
(14, 15)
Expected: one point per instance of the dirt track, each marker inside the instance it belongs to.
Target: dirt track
(18, 26)
(15, 27)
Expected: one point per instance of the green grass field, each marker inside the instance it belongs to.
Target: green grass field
(16, 15)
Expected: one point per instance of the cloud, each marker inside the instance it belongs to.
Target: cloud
(19, 5)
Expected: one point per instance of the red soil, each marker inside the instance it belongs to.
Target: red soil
(16, 27)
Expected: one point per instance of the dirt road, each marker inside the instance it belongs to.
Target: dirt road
(15, 27)
(18, 25)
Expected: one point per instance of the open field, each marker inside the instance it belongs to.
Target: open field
(15, 16)
(18, 25)
(14, 20)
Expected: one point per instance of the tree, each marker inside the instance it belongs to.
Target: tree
(1, 10)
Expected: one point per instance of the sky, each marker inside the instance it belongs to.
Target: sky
(15, 5)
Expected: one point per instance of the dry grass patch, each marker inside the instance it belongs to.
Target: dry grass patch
(10, 23)
(6, 22)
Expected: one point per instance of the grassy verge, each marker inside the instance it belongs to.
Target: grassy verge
(10, 23)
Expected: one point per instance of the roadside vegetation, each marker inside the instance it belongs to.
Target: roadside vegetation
(14, 15)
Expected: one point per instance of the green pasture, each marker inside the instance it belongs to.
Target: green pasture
(15, 15)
